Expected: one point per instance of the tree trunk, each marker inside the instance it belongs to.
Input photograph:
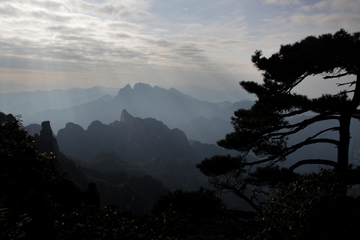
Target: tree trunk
(344, 142)
(344, 133)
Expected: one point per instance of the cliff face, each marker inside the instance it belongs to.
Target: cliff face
(46, 141)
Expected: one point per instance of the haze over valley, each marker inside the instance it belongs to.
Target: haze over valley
(96, 129)
(173, 108)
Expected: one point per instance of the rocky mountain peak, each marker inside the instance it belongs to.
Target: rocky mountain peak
(126, 117)
(46, 141)
(142, 86)
(125, 90)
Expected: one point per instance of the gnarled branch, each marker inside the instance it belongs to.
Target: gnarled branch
(312, 161)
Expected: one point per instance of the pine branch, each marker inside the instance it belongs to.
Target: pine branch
(312, 161)
(347, 83)
(302, 125)
(337, 75)
(276, 158)
(220, 186)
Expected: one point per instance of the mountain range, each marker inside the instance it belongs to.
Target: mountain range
(29, 103)
(173, 108)
(127, 190)
(129, 151)
(133, 139)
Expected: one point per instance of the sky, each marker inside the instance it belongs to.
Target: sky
(83, 43)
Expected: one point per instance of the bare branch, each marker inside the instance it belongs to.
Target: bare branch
(343, 92)
(299, 126)
(310, 141)
(295, 83)
(337, 75)
(292, 149)
(313, 161)
(293, 113)
(221, 186)
(326, 130)
(348, 83)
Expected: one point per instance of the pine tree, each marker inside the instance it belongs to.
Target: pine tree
(264, 129)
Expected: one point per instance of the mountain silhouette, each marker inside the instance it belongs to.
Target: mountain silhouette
(133, 139)
(171, 107)
(116, 184)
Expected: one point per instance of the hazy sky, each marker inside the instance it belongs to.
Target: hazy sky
(78, 43)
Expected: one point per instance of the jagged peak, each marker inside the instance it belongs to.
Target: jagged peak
(125, 117)
(46, 141)
(127, 86)
(141, 86)
(125, 89)
(46, 129)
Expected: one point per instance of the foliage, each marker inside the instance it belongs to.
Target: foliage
(27, 181)
(180, 212)
(264, 129)
(34, 193)
(197, 203)
(12, 230)
(311, 207)
(87, 222)
(194, 215)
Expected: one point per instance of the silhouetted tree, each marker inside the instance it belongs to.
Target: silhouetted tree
(28, 180)
(264, 129)
(34, 193)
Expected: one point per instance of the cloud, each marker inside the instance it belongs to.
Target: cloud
(114, 37)
(58, 35)
(282, 2)
(159, 42)
(329, 13)
(119, 35)
(338, 20)
(121, 25)
(8, 10)
(62, 6)
(63, 29)
(213, 41)
(111, 9)
(332, 6)
(91, 36)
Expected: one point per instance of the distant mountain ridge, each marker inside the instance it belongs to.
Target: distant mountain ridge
(133, 139)
(28, 103)
(171, 107)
